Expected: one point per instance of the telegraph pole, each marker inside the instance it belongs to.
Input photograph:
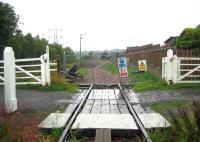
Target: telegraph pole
(80, 45)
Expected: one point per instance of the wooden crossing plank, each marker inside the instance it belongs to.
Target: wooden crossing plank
(105, 121)
(123, 109)
(91, 96)
(105, 109)
(113, 102)
(121, 102)
(87, 108)
(71, 108)
(103, 135)
(139, 109)
(105, 102)
(89, 102)
(105, 94)
(97, 94)
(114, 109)
(99, 135)
(55, 120)
(96, 109)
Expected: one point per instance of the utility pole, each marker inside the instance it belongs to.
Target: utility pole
(57, 34)
(80, 45)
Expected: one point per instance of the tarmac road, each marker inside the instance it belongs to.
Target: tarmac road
(34, 101)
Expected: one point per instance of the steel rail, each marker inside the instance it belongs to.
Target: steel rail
(73, 117)
(135, 116)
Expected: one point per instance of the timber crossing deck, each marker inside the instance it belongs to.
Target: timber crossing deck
(105, 110)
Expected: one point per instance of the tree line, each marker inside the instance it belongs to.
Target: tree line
(25, 46)
(189, 38)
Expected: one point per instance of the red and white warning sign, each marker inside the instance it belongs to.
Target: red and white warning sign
(123, 72)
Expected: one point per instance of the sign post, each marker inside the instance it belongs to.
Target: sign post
(122, 65)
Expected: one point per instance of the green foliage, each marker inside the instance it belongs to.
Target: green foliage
(189, 38)
(56, 133)
(8, 24)
(164, 106)
(5, 134)
(83, 71)
(112, 68)
(27, 46)
(185, 126)
(58, 83)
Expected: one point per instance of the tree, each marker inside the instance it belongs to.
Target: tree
(8, 24)
(189, 38)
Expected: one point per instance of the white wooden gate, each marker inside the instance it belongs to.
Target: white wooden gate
(1, 74)
(180, 69)
(17, 71)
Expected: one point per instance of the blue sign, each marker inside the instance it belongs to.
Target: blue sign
(122, 67)
(122, 63)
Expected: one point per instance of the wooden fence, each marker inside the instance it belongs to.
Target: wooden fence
(154, 56)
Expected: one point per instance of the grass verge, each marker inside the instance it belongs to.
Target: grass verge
(148, 81)
(111, 68)
(83, 71)
(185, 126)
(58, 83)
(165, 106)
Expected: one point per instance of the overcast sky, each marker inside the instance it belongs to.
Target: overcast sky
(108, 24)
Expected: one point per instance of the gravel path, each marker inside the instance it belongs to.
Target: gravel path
(101, 76)
(34, 101)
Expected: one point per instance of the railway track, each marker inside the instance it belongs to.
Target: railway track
(82, 104)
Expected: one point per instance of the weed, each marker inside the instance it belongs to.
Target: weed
(56, 133)
(58, 83)
(73, 135)
(83, 71)
(185, 126)
(111, 68)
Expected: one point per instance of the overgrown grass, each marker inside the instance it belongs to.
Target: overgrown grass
(83, 71)
(56, 133)
(148, 81)
(5, 135)
(111, 68)
(185, 126)
(58, 83)
(165, 106)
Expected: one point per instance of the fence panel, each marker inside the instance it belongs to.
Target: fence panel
(154, 56)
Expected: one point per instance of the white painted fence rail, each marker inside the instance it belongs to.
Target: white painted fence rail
(9, 76)
(173, 70)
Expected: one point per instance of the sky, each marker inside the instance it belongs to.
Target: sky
(107, 24)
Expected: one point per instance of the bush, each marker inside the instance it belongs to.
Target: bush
(185, 126)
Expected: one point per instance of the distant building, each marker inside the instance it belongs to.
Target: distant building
(143, 47)
(171, 41)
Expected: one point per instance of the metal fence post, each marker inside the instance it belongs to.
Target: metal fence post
(64, 64)
(58, 64)
(9, 81)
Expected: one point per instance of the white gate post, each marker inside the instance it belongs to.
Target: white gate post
(169, 65)
(163, 68)
(47, 66)
(175, 69)
(43, 77)
(9, 81)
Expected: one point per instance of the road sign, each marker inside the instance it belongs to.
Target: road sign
(122, 64)
(142, 65)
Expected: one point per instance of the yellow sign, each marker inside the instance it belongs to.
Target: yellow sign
(142, 65)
